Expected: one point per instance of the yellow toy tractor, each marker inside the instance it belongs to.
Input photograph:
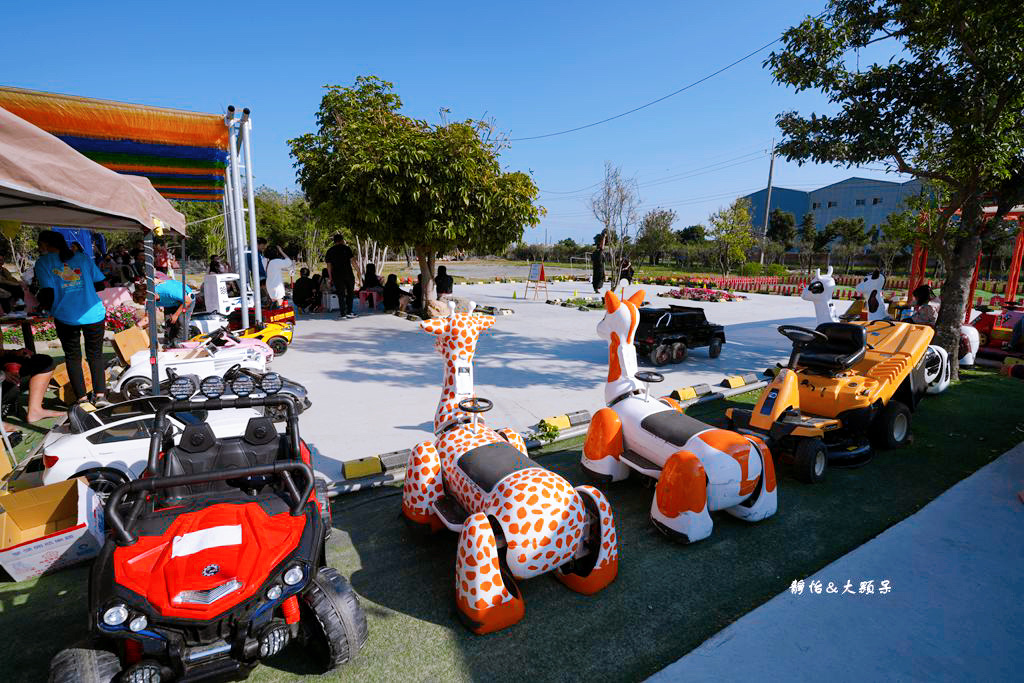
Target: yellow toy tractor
(848, 387)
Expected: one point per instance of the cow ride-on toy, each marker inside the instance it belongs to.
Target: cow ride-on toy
(514, 518)
(665, 335)
(698, 468)
(220, 560)
(848, 388)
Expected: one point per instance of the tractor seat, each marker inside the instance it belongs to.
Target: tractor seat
(488, 464)
(199, 451)
(844, 349)
(673, 426)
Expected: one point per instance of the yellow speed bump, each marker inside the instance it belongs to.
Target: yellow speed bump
(558, 421)
(364, 467)
(684, 394)
(733, 382)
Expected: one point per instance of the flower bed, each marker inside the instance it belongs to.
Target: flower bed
(120, 318)
(702, 294)
(44, 331)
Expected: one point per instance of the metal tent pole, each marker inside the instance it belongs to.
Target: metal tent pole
(239, 222)
(225, 201)
(246, 126)
(154, 362)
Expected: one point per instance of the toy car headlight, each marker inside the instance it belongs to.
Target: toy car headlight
(274, 592)
(212, 387)
(138, 623)
(116, 615)
(242, 385)
(271, 383)
(182, 388)
(293, 575)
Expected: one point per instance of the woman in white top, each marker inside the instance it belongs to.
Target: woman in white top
(275, 276)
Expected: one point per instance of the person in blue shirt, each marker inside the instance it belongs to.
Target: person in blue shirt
(177, 308)
(68, 282)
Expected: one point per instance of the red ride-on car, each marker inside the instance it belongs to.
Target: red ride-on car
(219, 562)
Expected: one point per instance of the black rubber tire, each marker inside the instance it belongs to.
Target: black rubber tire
(334, 620)
(810, 460)
(715, 348)
(660, 355)
(324, 502)
(679, 352)
(84, 663)
(136, 387)
(103, 482)
(891, 427)
(279, 345)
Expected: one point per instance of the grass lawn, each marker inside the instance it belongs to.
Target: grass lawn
(667, 599)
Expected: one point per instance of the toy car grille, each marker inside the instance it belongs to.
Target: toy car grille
(208, 597)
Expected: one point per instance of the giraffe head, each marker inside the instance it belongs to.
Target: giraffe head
(455, 339)
(618, 327)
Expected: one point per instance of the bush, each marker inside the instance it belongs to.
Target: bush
(776, 270)
(750, 269)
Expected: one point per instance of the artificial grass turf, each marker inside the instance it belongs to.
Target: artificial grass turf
(667, 599)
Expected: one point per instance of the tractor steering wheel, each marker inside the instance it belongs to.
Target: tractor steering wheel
(649, 376)
(801, 335)
(475, 405)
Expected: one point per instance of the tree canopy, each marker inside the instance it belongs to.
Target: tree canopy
(729, 230)
(656, 236)
(402, 181)
(782, 227)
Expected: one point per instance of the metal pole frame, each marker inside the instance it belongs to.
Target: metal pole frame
(229, 242)
(246, 127)
(239, 222)
(154, 361)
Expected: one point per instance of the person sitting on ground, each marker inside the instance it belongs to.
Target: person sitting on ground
(302, 291)
(925, 309)
(627, 271)
(417, 294)
(110, 268)
(395, 298)
(444, 282)
(275, 268)
(21, 367)
(372, 284)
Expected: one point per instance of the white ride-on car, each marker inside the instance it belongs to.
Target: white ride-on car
(209, 358)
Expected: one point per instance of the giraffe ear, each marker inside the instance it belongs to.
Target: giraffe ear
(611, 302)
(637, 299)
(436, 326)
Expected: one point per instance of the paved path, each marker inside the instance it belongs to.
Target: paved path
(954, 612)
(374, 381)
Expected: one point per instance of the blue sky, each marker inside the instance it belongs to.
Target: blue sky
(535, 67)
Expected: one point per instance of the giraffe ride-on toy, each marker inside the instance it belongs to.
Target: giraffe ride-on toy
(514, 518)
(698, 468)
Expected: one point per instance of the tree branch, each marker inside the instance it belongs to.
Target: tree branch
(904, 167)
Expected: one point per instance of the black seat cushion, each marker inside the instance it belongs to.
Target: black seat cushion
(844, 349)
(260, 430)
(199, 451)
(673, 426)
(197, 438)
(488, 464)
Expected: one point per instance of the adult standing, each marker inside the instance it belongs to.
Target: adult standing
(339, 266)
(275, 276)
(597, 263)
(68, 283)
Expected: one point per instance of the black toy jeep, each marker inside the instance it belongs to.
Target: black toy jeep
(663, 335)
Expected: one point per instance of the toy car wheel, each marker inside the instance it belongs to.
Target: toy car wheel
(891, 427)
(678, 352)
(278, 345)
(324, 503)
(136, 387)
(660, 354)
(811, 460)
(103, 482)
(84, 663)
(715, 348)
(334, 621)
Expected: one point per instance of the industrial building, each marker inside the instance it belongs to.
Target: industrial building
(872, 200)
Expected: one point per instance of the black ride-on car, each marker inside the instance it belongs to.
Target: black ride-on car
(664, 335)
(215, 559)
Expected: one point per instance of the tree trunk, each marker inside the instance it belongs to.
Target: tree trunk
(955, 290)
(425, 256)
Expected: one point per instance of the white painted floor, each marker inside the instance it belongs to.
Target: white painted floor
(374, 381)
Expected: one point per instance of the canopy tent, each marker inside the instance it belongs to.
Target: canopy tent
(43, 181)
(184, 154)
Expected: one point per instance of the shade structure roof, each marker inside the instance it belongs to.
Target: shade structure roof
(184, 154)
(43, 181)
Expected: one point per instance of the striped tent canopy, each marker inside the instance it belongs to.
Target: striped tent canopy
(184, 154)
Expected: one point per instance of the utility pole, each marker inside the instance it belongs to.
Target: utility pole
(767, 202)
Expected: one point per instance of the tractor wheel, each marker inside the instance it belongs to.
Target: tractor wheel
(811, 460)
(136, 387)
(324, 502)
(333, 619)
(715, 348)
(279, 345)
(660, 354)
(679, 352)
(84, 663)
(891, 427)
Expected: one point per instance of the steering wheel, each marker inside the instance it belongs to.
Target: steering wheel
(232, 371)
(649, 376)
(475, 405)
(801, 335)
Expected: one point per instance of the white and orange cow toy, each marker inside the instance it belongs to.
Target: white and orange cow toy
(698, 468)
(515, 519)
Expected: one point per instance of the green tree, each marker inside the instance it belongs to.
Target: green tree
(691, 234)
(782, 227)
(205, 228)
(852, 237)
(402, 181)
(656, 236)
(730, 234)
(947, 106)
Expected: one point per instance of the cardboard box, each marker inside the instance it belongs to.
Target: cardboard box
(48, 528)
